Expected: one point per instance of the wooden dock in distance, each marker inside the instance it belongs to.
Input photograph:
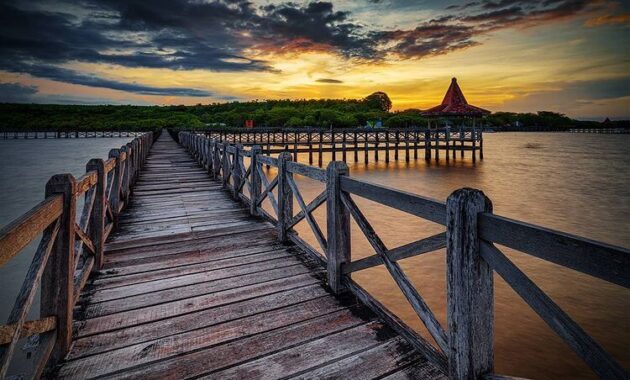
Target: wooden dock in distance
(193, 286)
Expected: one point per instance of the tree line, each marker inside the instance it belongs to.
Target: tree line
(323, 113)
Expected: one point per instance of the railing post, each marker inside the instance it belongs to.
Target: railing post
(208, 155)
(469, 288)
(225, 164)
(125, 174)
(236, 171)
(116, 177)
(216, 165)
(57, 287)
(285, 196)
(255, 180)
(337, 225)
(97, 218)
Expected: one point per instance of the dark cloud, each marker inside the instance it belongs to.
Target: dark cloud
(42, 38)
(327, 80)
(16, 93)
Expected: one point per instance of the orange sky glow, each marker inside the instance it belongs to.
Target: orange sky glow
(576, 62)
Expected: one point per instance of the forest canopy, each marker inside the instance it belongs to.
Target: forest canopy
(326, 113)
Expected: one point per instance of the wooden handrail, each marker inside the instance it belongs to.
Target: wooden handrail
(472, 229)
(85, 183)
(64, 239)
(20, 232)
(600, 260)
(29, 328)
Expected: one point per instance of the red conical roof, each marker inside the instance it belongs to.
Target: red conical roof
(455, 104)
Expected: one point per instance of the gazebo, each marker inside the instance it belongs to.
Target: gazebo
(455, 105)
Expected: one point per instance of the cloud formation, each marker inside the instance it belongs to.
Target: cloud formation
(328, 80)
(43, 39)
(16, 93)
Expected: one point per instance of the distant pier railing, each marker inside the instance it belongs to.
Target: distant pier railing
(356, 142)
(71, 246)
(8, 135)
(465, 349)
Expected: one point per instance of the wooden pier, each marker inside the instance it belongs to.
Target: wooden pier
(175, 270)
(10, 135)
(383, 144)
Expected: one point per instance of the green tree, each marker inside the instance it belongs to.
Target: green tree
(379, 100)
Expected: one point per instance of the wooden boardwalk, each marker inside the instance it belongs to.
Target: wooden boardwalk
(193, 286)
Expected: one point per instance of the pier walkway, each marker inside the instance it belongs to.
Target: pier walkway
(193, 286)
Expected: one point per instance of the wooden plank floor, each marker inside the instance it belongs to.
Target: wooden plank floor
(194, 287)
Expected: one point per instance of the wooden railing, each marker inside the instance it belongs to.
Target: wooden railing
(356, 141)
(22, 134)
(465, 348)
(68, 250)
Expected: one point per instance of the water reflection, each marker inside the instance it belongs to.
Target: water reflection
(574, 183)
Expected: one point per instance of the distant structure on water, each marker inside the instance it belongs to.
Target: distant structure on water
(454, 104)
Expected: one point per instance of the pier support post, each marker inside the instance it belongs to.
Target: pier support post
(415, 144)
(97, 218)
(255, 180)
(407, 146)
(366, 148)
(338, 226)
(376, 141)
(57, 285)
(310, 147)
(447, 141)
(473, 136)
(356, 147)
(462, 136)
(469, 288)
(285, 196)
(343, 145)
(427, 144)
(481, 144)
(320, 151)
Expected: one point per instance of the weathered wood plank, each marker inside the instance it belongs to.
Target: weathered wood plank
(20, 232)
(144, 353)
(597, 259)
(580, 342)
(423, 207)
(429, 244)
(225, 355)
(238, 284)
(470, 289)
(309, 355)
(386, 357)
(29, 328)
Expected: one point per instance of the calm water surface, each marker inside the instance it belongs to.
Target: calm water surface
(26, 166)
(574, 183)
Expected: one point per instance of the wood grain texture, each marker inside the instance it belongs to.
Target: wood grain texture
(19, 233)
(470, 289)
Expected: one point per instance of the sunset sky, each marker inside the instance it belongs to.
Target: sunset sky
(569, 56)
